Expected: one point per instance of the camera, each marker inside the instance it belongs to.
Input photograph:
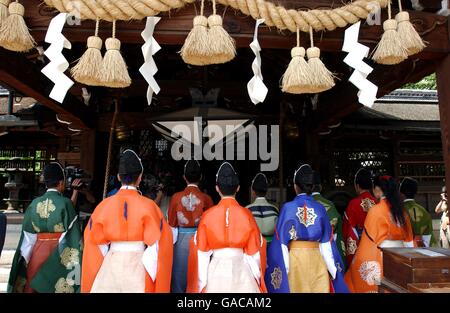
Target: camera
(73, 173)
(150, 186)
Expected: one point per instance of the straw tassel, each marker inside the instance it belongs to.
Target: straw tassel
(223, 46)
(297, 78)
(321, 78)
(3, 11)
(408, 35)
(14, 33)
(390, 49)
(196, 49)
(88, 70)
(114, 69)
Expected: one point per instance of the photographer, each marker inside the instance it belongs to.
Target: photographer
(152, 187)
(78, 189)
(444, 231)
(82, 196)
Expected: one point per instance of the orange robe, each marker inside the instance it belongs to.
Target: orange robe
(226, 225)
(127, 216)
(366, 270)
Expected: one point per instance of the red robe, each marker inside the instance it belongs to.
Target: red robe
(353, 222)
(127, 216)
(187, 206)
(214, 233)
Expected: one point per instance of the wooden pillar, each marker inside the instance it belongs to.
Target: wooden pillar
(280, 158)
(87, 151)
(443, 84)
(312, 149)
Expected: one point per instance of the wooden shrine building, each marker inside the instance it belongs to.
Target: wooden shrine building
(315, 128)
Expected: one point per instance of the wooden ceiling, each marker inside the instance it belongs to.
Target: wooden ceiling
(22, 71)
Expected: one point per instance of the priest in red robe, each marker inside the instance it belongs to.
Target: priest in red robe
(356, 212)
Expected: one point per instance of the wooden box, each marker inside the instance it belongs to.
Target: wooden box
(429, 288)
(387, 286)
(403, 266)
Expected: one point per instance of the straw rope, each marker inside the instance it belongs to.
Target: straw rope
(274, 15)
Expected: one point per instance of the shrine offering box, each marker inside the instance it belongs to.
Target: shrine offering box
(404, 266)
(429, 288)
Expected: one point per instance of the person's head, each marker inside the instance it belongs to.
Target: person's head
(227, 181)
(363, 180)
(54, 176)
(386, 187)
(408, 187)
(259, 185)
(317, 184)
(303, 179)
(444, 193)
(130, 169)
(192, 172)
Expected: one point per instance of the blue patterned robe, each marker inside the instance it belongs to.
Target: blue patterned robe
(306, 220)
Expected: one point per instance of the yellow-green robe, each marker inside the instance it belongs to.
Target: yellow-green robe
(421, 222)
(61, 272)
(335, 221)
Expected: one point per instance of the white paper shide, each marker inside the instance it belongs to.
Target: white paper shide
(255, 87)
(150, 47)
(356, 53)
(58, 64)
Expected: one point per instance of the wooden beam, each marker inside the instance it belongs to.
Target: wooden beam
(174, 27)
(24, 76)
(443, 83)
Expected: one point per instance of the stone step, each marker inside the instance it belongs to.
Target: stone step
(7, 257)
(4, 274)
(3, 287)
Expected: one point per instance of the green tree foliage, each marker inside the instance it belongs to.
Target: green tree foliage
(428, 83)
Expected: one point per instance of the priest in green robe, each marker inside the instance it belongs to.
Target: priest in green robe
(333, 215)
(421, 220)
(48, 257)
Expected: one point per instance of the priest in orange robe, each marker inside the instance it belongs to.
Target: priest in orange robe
(227, 253)
(128, 243)
(387, 226)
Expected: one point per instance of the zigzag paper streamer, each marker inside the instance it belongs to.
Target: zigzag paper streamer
(356, 53)
(150, 47)
(58, 63)
(255, 87)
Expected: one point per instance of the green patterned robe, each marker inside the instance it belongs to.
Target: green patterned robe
(421, 221)
(335, 221)
(61, 272)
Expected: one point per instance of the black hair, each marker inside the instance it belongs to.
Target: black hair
(304, 178)
(363, 179)
(389, 187)
(227, 179)
(409, 187)
(226, 189)
(307, 188)
(193, 175)
(317, 187)
(52, 183)
(260, 192)
(129, 179)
